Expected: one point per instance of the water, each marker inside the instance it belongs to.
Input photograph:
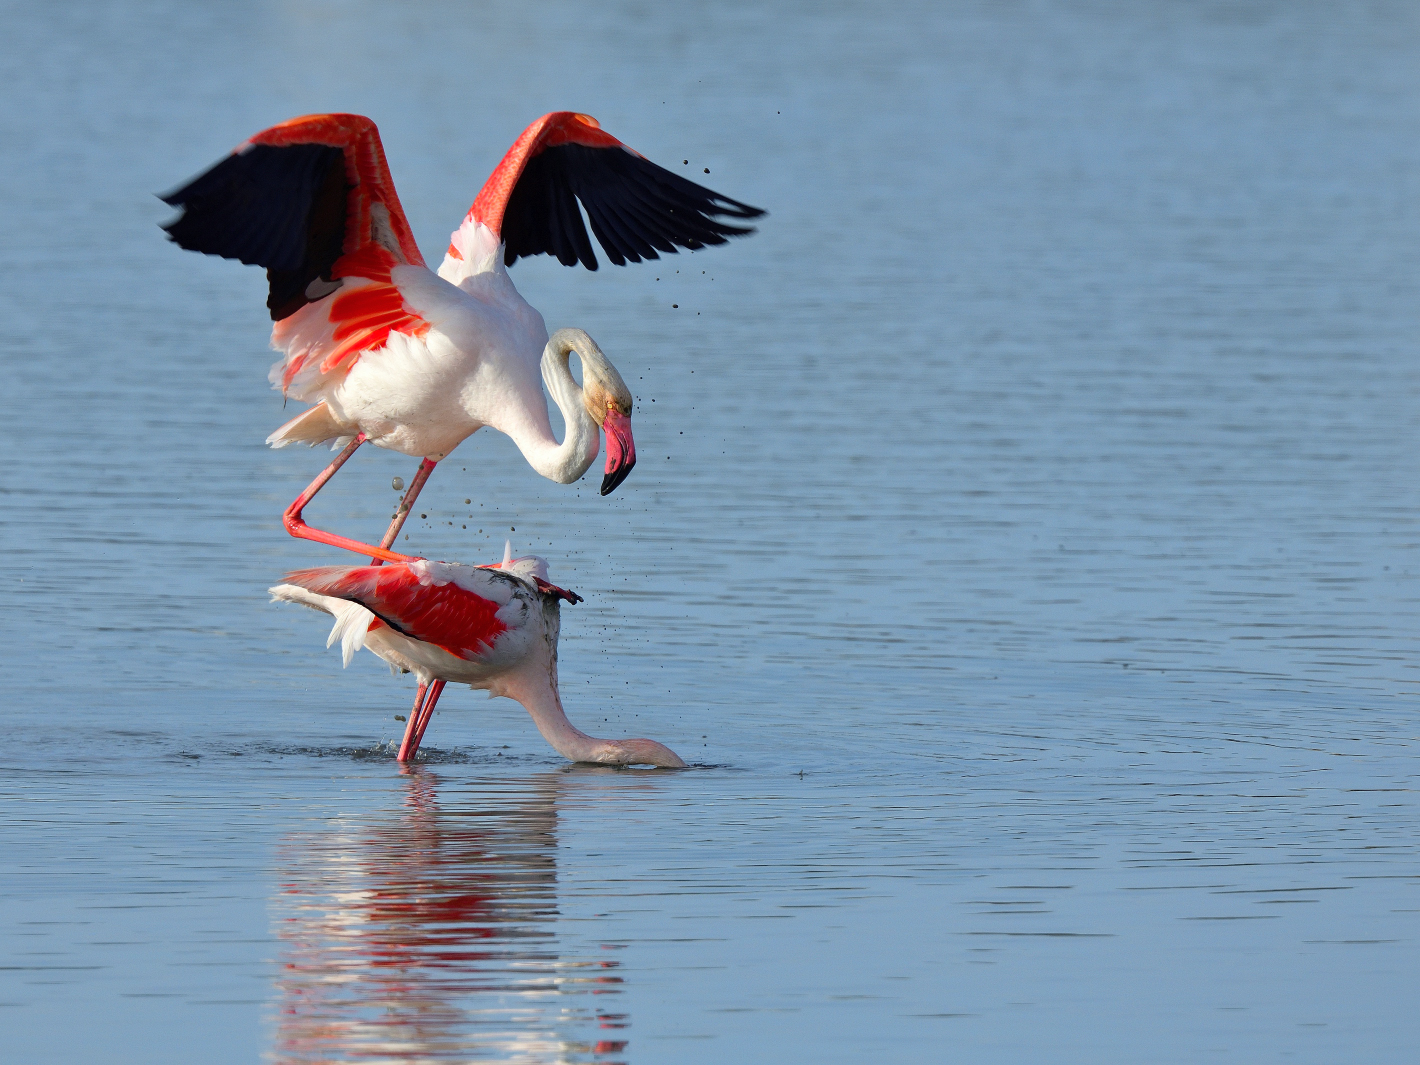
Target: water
(1023, 547)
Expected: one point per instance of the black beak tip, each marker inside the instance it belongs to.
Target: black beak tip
(612, 480)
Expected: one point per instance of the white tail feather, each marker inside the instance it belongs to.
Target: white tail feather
(314, 426)
(352, 621)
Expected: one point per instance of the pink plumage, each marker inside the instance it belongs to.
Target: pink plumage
(492, 627)
(449, 616)
(392, 353)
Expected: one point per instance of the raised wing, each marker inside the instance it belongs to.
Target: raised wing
(636, 208)
(312, 201)
(447, 615)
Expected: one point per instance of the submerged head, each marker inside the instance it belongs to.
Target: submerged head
(636, 752)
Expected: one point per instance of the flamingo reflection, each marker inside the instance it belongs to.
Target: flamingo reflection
(430, 936)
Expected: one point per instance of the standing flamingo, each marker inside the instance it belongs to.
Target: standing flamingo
(392, 353)
(491, 627)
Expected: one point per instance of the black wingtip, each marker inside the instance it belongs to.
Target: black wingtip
(283, 208)
(638, 210)
(732, 208)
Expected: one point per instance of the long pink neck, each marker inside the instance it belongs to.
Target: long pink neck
(536, 689)
(534, 684)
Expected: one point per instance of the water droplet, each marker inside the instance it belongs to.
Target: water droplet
(397, 484)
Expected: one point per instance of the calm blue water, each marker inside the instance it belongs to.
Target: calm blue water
(1023, 545)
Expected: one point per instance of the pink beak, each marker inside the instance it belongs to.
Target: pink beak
(620, 450)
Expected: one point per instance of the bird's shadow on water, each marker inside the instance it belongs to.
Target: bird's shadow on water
(371, 753)
(388, 750)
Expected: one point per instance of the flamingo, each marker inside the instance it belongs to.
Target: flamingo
(389, 352)
(490, 627)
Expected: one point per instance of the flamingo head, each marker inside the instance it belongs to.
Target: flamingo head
(608, 401)
(637, 752)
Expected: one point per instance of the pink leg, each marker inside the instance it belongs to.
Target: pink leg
(296, 525)
(412, 725)
(428, 694)
(419, 720)
(415, 486)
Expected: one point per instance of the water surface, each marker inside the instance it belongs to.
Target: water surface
(1023, 548)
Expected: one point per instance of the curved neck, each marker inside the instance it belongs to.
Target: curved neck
(540, 698)
(534, 684)
(567, 461)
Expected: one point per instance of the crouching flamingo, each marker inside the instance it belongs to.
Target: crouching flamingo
(490, 627)
(392, 353)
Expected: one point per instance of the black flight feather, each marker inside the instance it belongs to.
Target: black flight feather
(278, 207)
(635, 208)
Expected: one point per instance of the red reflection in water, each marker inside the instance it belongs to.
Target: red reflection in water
(430, 936)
